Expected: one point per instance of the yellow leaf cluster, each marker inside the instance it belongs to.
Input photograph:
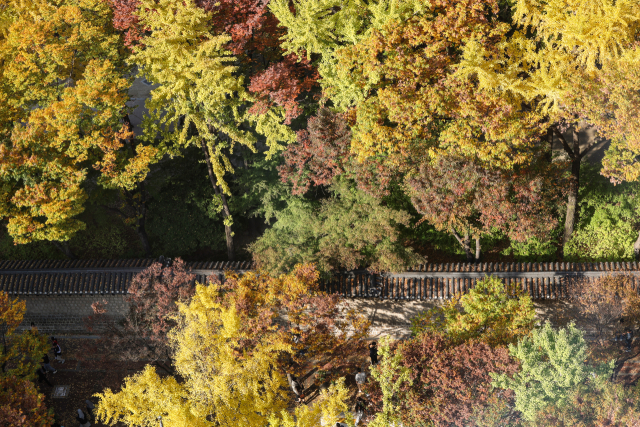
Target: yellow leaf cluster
(200, 97)
(63, 98)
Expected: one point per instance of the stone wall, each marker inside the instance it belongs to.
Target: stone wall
(63, 314)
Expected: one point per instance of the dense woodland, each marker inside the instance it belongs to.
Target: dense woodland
(311, 136)
(351, 134)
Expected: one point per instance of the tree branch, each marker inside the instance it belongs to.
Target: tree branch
(589, 148)
(457, 236)
(565, 144)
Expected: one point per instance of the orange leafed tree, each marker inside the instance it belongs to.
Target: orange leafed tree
(21, 405)
(320, 323)
(64, 98)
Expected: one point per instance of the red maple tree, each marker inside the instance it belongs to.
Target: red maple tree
(448, 382)
(21, 405)
(142, 334)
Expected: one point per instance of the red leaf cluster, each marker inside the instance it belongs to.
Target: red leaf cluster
(152, 298)
(459, 192)
(448, 381)
(282, 83)
(323, 151)
(319, 153)
(124, 20)
(21, 405)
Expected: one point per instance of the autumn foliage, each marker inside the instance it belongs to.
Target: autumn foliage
(20, 353)
(605, 301)
(227, 350)
(21, 405)
(491, 312)
(142, 334)
(64, 96)
(293, 304)
(444, 382)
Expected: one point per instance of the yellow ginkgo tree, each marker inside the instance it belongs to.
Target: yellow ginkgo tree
(200, 99)
(222, 382)
(63, 91)
(574, 62)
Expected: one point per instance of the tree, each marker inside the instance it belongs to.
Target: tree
(604, 301)
(21, 405)
(608, 229)
(65, 95)
(598, 402)
(547, 64)
(491, 312)
(142, 334)
(327, 412)
(390, 376)
(390, 67)
(552, 366)
(468, 200)
(20, 353)
(223, 382)
(322, 152)
(293, 304)
(430, 378)
(200, 101)
(349, 230)
(274, 78)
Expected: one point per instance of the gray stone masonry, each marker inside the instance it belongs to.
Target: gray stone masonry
(58, 314)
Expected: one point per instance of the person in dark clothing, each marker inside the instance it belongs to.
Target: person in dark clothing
(373, 352)
(47, 366)
(627, 337)
(42, 376)
(90, 408)
(57, 351)
(82, 419)
(359, 410)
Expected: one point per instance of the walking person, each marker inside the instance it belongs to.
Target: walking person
(57, 351)
(90, 408)
(297, 389)
(627, 337)
(47, 366)
(42, 376)
(373, 352)
(34, 329)
(82, 419)
(361, 377)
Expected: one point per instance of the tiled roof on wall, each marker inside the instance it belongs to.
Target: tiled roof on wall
(78, 277)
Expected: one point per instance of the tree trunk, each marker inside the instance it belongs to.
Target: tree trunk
(478, 249)
(465, 243)
(226, 213)
(574, 186)
(64, 248)
(636, 248)
(549, 153)
(140, 223)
